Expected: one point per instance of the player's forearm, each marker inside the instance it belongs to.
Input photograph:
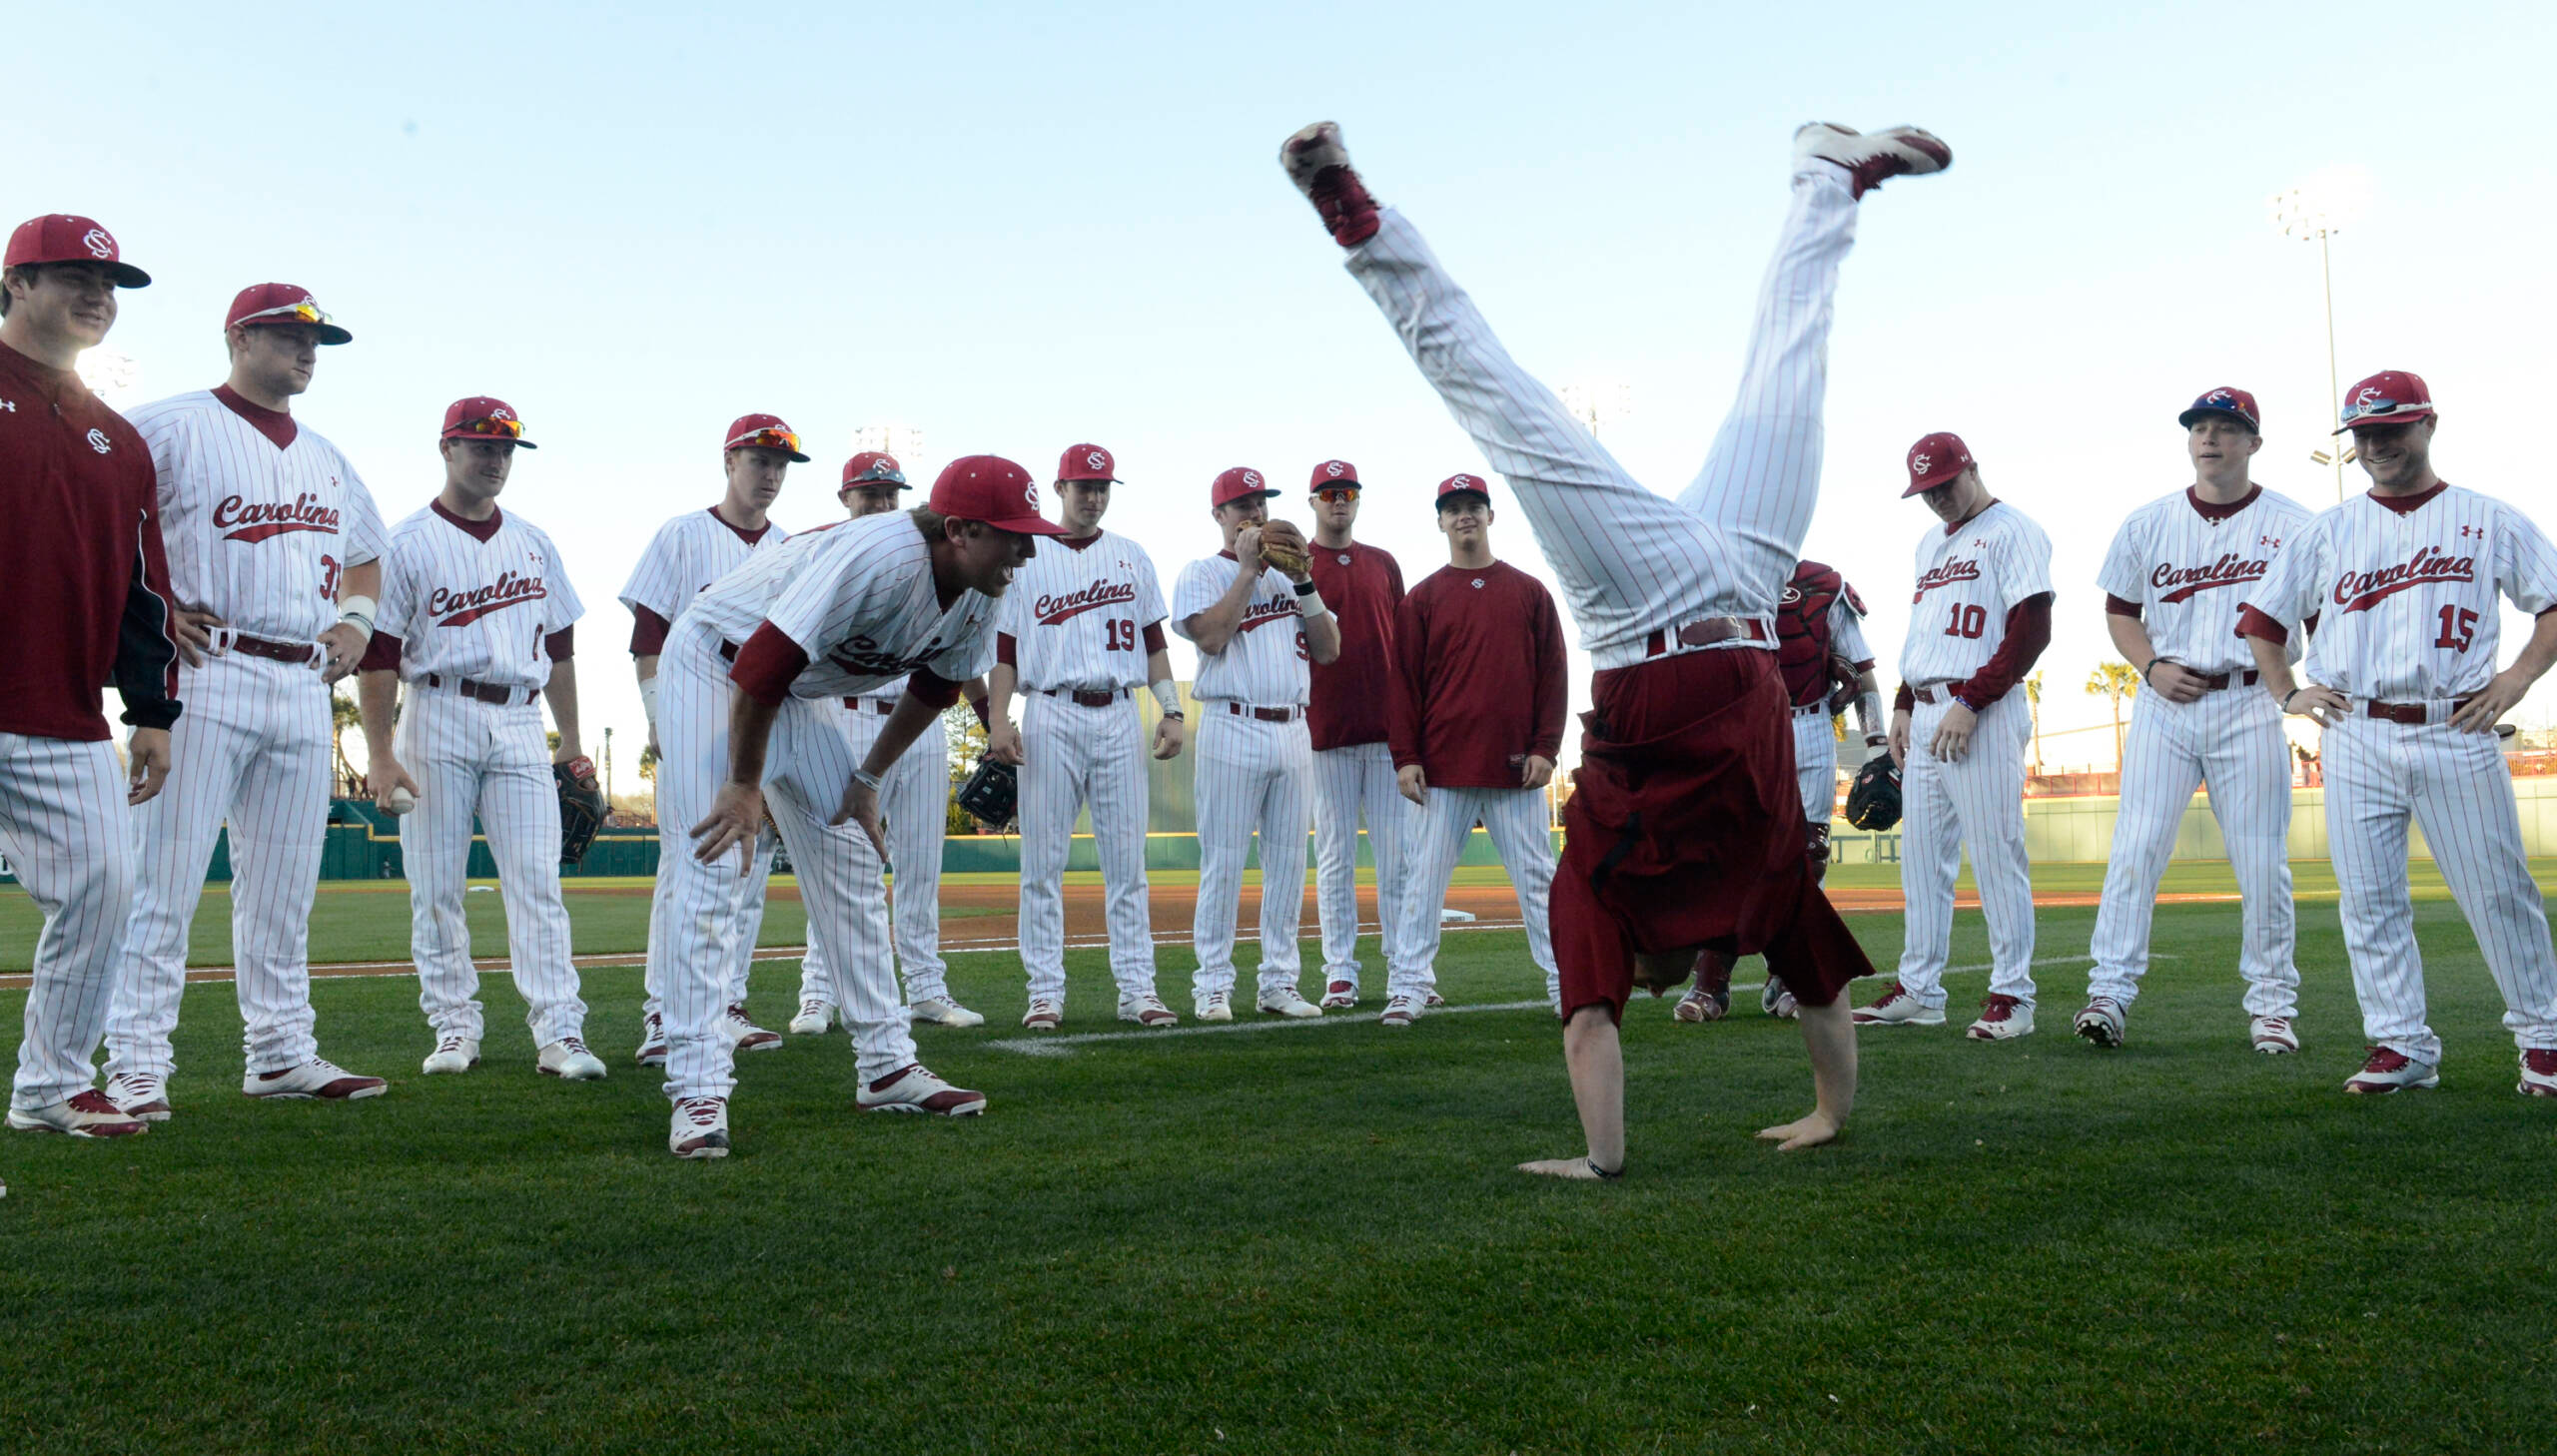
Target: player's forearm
(2539, 654)
(562, 693)
(1870, 721)
(1323, 639)
(2130, 640)
(2272, 667)
(1212, 629)
(376, 695)
(1001, 684)
(749, 732)
(898, 734)
(362, 579)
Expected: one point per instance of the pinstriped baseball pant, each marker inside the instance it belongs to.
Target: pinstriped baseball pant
(1346, 781)
(1073, 756)
(1977, 804)
(69, 838)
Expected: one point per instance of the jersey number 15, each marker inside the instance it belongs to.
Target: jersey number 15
(2458, 628)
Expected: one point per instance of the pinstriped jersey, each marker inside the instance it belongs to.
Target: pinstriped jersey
(2190, 572)
(256, 532)
(2405, 604)
(857, 597)
(686, 554)
(1265, 662)
(1078, 616)
(1968, 577)
(465, 605)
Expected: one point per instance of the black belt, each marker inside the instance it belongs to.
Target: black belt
(486, 692)
(1705, 633)
(2213, 682)
(2415, 713)
(1266, 715)
(295, 652)
(1084, 699)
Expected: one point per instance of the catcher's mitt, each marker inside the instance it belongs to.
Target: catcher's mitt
(581, 807)
(1282, 549)
(991, 794)
(1873, 800)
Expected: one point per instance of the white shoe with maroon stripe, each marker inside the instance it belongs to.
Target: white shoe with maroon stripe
(2539, 1073)
(2388, 1070)
(568, 1059)
(1899, 152)
(744, 1035)
(941, 1010)
(700, 1128)
(2002, 1019)
(1339, 996)
(82, 1114)
(814, 1017)
(316, 1079)
(652, 1041)
(1043, 1014)
(1146, 1010)
(2272, 1035)
(913, 1088)
(453, 1054)
(141, 1096)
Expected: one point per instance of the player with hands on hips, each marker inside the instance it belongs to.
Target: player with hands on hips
(1346, 719)
(2404, 586)
(1259, 621)
(274, 554)
(1476, 702)
(1081, 634)
(478, 623)
(1684, 829)
(914, 801)
(1821, 652)
(84, 549)
(681, 560)
(751, 717)
(1980, 620)
(2178, 570)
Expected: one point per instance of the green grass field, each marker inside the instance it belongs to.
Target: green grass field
(1308, 1238)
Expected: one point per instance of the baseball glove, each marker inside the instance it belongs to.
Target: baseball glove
(992, 794)
(1873, 800)
(581, 807)
(1282, 549)
(1842, 685)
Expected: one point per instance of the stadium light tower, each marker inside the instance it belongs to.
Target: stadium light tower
(2314, 209)
(1598, 402)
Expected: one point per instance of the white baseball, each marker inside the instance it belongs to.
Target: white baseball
(400, 801)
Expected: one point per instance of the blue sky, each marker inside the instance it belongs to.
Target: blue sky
(1016, 227)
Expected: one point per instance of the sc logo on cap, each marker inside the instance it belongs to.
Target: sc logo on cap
(99, 242)
(1251, 479)
(501, 412)
(1335, 470)
(1029, 492)
(2367, 395)
(1919, 463)
(1097, 460)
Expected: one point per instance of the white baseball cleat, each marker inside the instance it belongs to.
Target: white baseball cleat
(1778, 1002)
(1898, 152)
(652, 1042)
(141, 1096)
(744, 1035)
(1215, 1006)
(1700, 1004)
(82, 1114)
(1430, 1000)
(1339, 995)
(913, 1088)
(568, 1059)
(1897, 1008)
(2272, 1035)
(1401, 1011)
(2103, 1022)
(814, 1017)
(2389, 1071)
(453, 1054)
(2539, 1073)
(2002, 1019)
(1146, 1010)
(700, 1128)
(1043, 1014)
(941, 1010)
(1320, 166)
(1286, 1003)
(316, 1079)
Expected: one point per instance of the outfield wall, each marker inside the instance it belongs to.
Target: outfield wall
(365, 846)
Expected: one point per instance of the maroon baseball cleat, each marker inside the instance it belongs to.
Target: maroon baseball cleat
(82, 1114)
(316, 1079)
(913, 1088)
(1899, 152)
(1320, 166)
(2388, 1070)
(2539, 1073)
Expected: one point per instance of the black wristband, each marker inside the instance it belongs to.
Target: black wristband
(2152, 667)
(1306, 587)
(2286, 698)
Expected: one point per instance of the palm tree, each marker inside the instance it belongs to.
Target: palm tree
(343, 715)
(2033, 704)
(2115, 682)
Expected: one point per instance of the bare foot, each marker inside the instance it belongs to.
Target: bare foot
(1576, 1168)
(1809, 1131)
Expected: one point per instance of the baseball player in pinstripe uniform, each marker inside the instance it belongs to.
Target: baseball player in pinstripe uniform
(753, 671)
(1979, 622)
(1256, 630)
(1081, 632)
(681, 560)
(1476, 702)
(1684, 829)
(477, 619)
(1820, 649)
(2404, 582)
(1345, 718)
(914, 801)
(2176, 574)
(91, 587)
(275, 553)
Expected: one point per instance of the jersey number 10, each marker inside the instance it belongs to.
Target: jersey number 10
(1968, 622)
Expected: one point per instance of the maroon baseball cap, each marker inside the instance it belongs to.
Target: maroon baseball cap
(1935, 460)
(1331, 473)
(1465, 486)
(764, 431)
(260, 305)
(2224, 401)
(484, 418)
(873, 467)
(63, 237)
(992, 489)
(2391, 396)
(1239, 483)
(1086, 462)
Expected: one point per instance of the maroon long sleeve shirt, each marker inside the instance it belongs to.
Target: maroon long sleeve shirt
(1480, 678)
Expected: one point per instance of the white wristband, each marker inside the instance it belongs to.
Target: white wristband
(1166, 697)
(866, 779)
(1311, 605)
(360, 611)
(649, 700)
